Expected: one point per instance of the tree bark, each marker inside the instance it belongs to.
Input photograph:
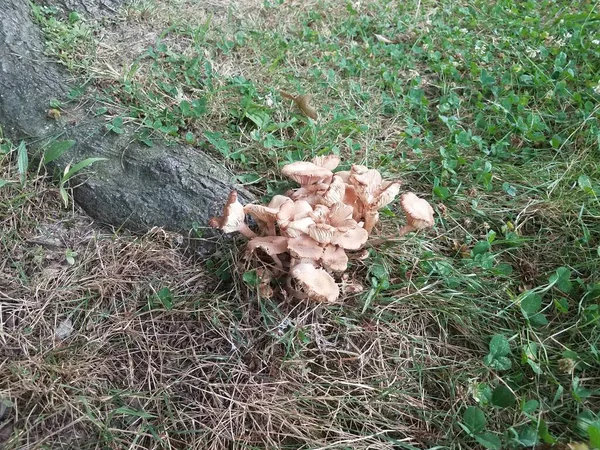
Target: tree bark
(138, 187)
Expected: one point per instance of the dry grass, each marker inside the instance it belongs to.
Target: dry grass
(218, 370)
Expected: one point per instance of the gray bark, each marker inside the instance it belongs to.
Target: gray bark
(138, 187)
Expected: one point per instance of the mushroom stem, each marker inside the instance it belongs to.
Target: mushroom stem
(406, 229)
(279, 265)
(246, 231)
(371, 219)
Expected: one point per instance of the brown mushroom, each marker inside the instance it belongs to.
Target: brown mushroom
(264, 216)
(372, 192)
(419, 213)
(290, 211)
(271, 245)
(314, 283)
(352, 239)
(334, 258)
(304, 247)
(233, 218)
(306, 173)
(327, 161)
(298, 227)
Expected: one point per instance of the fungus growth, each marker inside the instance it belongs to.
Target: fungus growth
(304, 236)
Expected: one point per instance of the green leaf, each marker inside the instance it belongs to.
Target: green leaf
(441, 192)
(166, 298)
(489, 440)
(531, 304)
(474, 419)
(499, 345)
(503, 397)
(535, 367)
(251, 278)
(497, 362)
(22, 161)
(216, 139)
(134, 412)
(594, 435)
(480, 248)
(64, 195)
(56, 150)
(585, 184)
(562, 279)
(530, 406)
(486, 79)
(80, 166)
(561, 305)
(509, 189)
(527, 435)
(543, 432)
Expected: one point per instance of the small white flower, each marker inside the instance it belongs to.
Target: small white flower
(597, 88)
(568, 35)
(596, 42)
(464, 30)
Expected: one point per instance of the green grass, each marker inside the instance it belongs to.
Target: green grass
(481, 332)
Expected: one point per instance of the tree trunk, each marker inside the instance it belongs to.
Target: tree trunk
(138, 187)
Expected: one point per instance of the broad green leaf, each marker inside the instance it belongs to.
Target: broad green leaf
(474, 419)
(585, 184)
(530, 406)
(531, 304)
(503, 397)
(251, 278)
(79, 166)
(480, 248)
(561, 304)
(499, 345)
(562, 279)
(498, 362)
(56, 150)
(166, 298)
(527, 435)
(594, 435)
(489, 440)
(216, 139)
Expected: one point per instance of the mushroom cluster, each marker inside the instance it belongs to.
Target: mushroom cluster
(304, 235)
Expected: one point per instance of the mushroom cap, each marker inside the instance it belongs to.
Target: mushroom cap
(290, 211)
(299, 227)
(278, 200)
(305, 172)
(233, 215)
(388, 193)
(335, 192)
(344, 175)
(261, 212)
(304, 247)
(352, 239)
(319, 214)
(316, 283)
(323, 233)
(334, 258)
(340, 217)
(327, 161)
(419, 213)
(367, 183)
(271, 245)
